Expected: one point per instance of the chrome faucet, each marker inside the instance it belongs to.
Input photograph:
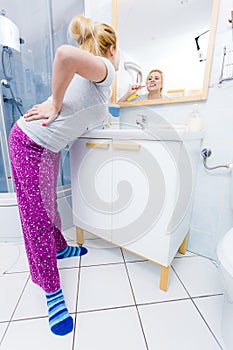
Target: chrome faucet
(142, 121)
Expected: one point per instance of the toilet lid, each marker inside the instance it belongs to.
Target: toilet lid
(225, 251)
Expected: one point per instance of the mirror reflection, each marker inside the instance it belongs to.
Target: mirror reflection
(165, 48)
(153, 86)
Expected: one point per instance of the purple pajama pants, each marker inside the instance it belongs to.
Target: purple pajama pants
(35, 171)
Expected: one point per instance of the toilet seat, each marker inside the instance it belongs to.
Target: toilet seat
(224, 252)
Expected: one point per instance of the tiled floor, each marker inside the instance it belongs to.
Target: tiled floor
(116, 303)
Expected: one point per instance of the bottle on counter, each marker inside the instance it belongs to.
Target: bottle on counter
(195, 122)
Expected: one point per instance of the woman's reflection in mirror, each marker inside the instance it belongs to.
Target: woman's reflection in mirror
(154, 86)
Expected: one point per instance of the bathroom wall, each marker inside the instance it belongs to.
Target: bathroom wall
(212, 213)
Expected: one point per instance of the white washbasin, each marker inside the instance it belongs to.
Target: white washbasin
(159, 132)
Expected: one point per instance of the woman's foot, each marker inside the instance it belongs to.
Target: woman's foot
(61, 323)
(70, 251)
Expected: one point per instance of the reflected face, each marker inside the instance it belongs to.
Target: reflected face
(189, 17)
(154, 82)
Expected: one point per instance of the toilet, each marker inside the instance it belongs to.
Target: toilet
(225, 257)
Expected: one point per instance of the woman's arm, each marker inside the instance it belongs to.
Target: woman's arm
(68, 61)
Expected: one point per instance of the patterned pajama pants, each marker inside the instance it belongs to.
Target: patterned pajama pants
(35, 171)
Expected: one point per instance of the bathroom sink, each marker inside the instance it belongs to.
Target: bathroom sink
(158, 132)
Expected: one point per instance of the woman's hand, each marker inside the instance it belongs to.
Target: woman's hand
(132, 91)
(45, 110)
(136, 87)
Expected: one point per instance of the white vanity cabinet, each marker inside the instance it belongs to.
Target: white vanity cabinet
(92, 185)
(135, 191)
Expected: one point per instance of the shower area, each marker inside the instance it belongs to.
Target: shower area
(29, 36)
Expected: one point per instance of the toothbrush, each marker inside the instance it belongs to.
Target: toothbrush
(132, 96)
(135, 94)
(138, 87)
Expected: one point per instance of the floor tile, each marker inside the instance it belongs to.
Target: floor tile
(3, 327)
(199, 275)
(21, 264)
(211, 308)
(111, 329)
(145, 279)
(11, 287)
(33, 303)
(104, 287)
(70, 234)
(106, 304)
(11, 255)
(176, 325)
(72, 262)
(226, 323)
(187, 254)
(101, 252)
(34, 334)
(88, 235)
(131, 257)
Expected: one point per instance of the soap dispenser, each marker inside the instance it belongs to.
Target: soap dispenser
(195, 122)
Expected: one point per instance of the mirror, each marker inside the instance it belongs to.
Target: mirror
(174, 36)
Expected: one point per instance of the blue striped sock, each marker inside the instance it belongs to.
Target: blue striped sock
(61, 323)
(70, 251)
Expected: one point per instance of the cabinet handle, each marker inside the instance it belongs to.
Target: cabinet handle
(97, 145)
(127, 146)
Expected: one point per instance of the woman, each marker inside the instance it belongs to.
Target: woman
(81, 88)
(154, 85)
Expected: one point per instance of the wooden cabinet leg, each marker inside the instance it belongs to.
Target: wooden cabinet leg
(164, 277)
(79, 235)
(182, 249)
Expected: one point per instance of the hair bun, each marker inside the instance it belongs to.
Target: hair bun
(92, 36)
(81, 28)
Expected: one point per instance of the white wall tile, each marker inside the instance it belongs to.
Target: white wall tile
(202, 243)
(205, 218)
(210, 189)
(225, 223)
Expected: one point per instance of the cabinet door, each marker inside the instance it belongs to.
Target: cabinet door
(145, 182)
(91, 183)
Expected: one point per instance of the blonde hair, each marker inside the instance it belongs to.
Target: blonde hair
(92, 36)
(161, 74)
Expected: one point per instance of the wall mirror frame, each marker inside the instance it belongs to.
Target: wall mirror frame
(202, 93)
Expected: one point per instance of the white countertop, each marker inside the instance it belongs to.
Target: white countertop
(158, 133)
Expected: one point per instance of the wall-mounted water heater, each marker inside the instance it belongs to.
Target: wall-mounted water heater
(9, 33)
